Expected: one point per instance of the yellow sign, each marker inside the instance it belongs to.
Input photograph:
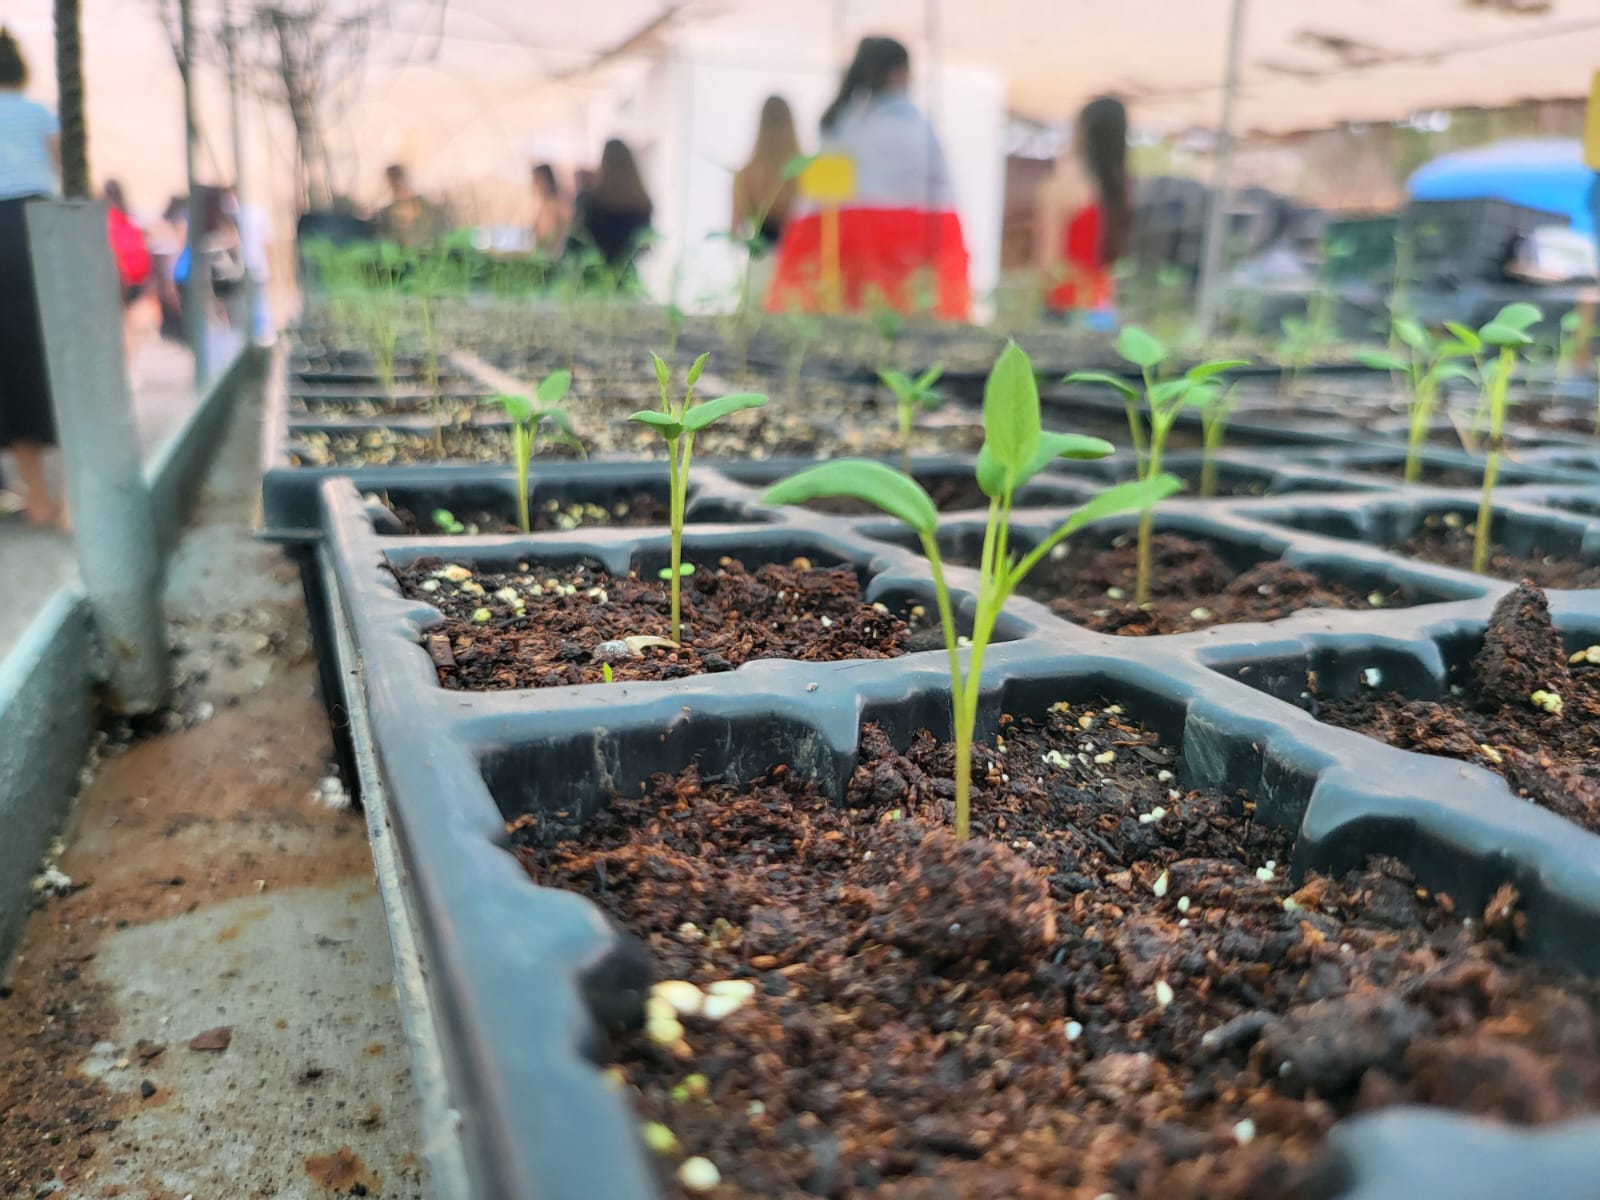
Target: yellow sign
(1591, 126)
(830, 179)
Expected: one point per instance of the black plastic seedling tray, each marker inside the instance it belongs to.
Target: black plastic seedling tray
(524, 981)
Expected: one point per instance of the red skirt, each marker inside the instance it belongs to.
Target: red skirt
(903, 257)
(1085, 281)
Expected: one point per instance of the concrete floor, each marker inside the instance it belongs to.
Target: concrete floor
(214, 885)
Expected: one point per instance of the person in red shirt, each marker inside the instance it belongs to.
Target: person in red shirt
(1084, 216)
(900, 240)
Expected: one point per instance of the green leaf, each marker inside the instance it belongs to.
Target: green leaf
(930, 377)
(796, 166)
(1134, 496)
(1570, 320)
(1139, 347)
(1518, 316)
(1169, 391)
(896, 494)
(1411, 333)
(518, 408)
(1496, 334)
(1451, 370)
(684, 571)
(701, 415)
(1381, 360)
(1206, 370)
(899, 383)
(1465, 336)
(991, 478)
(665, 424)
(1011, 412)
(558, 419)
(1454, 349)
(554, 388)
(1122, 385)
(663, 372)
(699, 368)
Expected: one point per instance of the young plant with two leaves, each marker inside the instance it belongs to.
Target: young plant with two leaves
(912, 395)
(1428, 362)
(677, 423)
(1507, 336)
(1157, 404)
(1015, 449)
(527, 417)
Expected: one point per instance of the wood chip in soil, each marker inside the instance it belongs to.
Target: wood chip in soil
(1192, 587)
(547, 624)
(1548, 757)
(1086, 999)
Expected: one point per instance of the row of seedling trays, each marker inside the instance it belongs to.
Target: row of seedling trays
(1281, 883)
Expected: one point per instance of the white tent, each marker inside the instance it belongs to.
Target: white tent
(469, 91)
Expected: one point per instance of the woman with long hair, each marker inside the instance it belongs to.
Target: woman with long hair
(613, 214)
(554, 217)
(899, 234)
(1085, 216)
(30, 163)
(762, 196)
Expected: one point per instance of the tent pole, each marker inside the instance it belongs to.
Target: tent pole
(1209, 298)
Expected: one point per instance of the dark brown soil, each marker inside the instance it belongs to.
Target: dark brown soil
(1548, 757)
(1447, 540)
(1191, 587)
(546, 516)
(1079, 1003)
(731, 616)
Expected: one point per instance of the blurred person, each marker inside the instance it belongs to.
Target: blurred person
(221, 258)
(760, 191)
(132, 255)
(613, 213)
(1084, 217)
(167, 239)
(30, 166)
(899, 234)
(255, 241)
(554, 218)
(408, 219)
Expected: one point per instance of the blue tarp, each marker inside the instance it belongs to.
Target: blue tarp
(1543, 173)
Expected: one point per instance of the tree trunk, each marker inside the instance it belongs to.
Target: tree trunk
(69, 82)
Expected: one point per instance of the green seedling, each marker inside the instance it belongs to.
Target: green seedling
(886, 321)
(1426, 364)
(432, 277)
(1508, 333)
(1015, 449)
(445, 521)
(605, 672)
(1159, 403)
(677, 424)
(911, 397)
(1216, 405)
(527, 416)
